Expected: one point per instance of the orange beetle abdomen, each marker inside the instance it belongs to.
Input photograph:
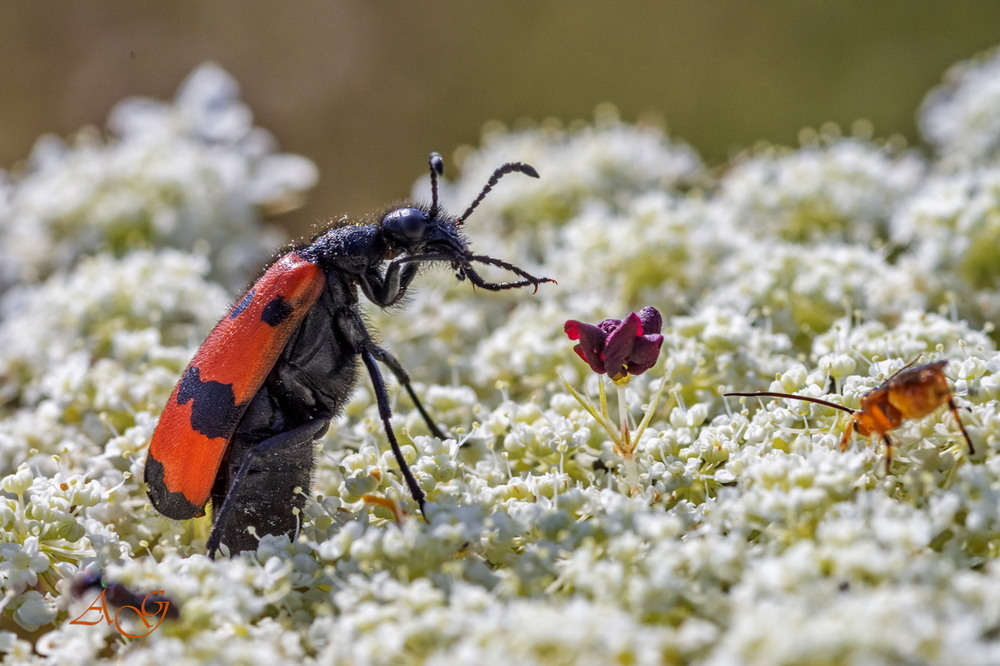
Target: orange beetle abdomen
(919, 391)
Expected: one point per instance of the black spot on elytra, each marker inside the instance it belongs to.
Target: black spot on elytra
(276, 311)
(242, 305)
(214, 412)
(170, 504)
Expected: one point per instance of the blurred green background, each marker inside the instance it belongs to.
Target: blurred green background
(367, 89)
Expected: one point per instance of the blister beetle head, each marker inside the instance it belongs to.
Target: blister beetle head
(407, 227)
(416, 230)
(416, 234)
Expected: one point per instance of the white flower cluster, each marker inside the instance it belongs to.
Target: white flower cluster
(844, 190)
(961, 118)
(193, 174)
(951, 229)
(748, 538)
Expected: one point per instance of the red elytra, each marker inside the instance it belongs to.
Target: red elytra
(239, 352)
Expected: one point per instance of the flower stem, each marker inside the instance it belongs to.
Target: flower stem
(623, 420)
(627, 446)
(604, 397)
(600, 415)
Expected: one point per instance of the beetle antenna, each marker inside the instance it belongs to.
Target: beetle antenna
(437, 169)
(769, 394)
(905, 367)
(499, 173)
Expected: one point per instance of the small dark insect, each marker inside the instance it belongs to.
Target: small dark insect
(912, 392)
(240, 425)
(120, 596)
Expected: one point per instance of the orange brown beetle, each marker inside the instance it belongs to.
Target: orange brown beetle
(910, 393)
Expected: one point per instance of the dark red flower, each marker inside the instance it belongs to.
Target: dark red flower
(619, 347)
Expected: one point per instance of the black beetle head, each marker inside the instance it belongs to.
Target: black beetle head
(425, 235)
(406, 225)
(413, 230)
(417, 230)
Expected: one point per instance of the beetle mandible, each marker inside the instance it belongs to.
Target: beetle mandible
(240, 425)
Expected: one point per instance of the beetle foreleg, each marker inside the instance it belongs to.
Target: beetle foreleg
(384, 290)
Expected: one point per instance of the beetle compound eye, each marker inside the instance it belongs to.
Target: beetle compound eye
(406, 223)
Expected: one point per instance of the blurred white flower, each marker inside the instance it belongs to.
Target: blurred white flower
(836, 190)
(192, 174)
(951, 231)
(962, 116)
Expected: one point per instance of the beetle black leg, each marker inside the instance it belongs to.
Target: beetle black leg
(385, 413)
(385, 356)
(384, 289)
(255, 494)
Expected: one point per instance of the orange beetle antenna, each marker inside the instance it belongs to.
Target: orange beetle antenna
(848, 429)
(910, 392)
(769, 394)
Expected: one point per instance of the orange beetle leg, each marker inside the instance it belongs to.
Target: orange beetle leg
(954, 410)
(888, 452)
(848, 431)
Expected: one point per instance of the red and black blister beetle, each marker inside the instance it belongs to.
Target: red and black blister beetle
(240, 425)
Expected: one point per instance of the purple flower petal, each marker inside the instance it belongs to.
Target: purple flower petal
(644, 353)
(652, 322)
(591, 347)
(618, 346)
(595, 363)
(609, 325)
(572, 328)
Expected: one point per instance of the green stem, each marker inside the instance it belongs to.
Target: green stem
(627, 446)
(623, 419)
